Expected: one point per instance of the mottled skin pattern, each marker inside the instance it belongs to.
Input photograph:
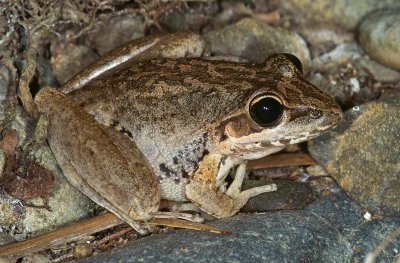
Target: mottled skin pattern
(180, 110)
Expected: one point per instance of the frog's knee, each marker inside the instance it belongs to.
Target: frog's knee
(143, 211)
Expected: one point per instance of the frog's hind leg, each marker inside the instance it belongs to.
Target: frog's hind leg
(185, 216)
(78, 182)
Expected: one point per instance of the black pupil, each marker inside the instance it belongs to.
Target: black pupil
(266, 111)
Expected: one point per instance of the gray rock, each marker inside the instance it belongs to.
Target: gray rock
(7, 75)
(289, 196)
(340, 211)
(346, 13)
(296, 236)
(11, 210)
(194, 20)
(341, 54)
(5, 239)
(36, 258)
(379, 35)
(5, 79)
(363, 154)
(367, 236)
(67, 204)
(69, 59)
(378, 71)
(255, 41)
(2, 162)
(120, 29)
(364, 235)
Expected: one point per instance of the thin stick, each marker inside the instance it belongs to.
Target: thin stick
(281, 160)
(88, 227)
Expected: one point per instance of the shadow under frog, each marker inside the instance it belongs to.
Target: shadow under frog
(150, 121)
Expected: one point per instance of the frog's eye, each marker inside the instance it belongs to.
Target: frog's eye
(265, 110)
(296, 62)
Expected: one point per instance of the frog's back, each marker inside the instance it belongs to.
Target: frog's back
(174, 98)
(168, 107)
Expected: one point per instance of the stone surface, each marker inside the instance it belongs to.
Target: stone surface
(289, 196)
(368, 236)
(7, 75)
(68, 59)
(36, 258)
(120, 29)
(194, 19)
(379, 35)
(67, 204)
(363, 155)
(296, 236)
(346, 13)
(255, 41)
(11, 210)
(349, 219)
(378, 71)
(340, 211)
(341, 54)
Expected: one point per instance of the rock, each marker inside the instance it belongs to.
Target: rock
(120, 29)
(10, 210)
(194, 19)
(2, 162)
(36, 258)
(340, 211)
(82, 251)
(293, 236)
(5, 239)
(319, 35)
(346, 13)
(67, 204)
(316, 170)
(341, 54)
(363, 154)
(379, 35)
(7, 75)
(68, 59)
(255, 41)
(379, 72)
(345, 215)
(369, 235)
(290, 195)
(5, 79)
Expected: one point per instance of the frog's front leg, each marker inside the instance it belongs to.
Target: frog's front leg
(204, 188)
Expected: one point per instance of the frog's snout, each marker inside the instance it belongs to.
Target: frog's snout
(331, 119)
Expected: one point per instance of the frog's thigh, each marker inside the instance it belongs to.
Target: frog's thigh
(78, 182)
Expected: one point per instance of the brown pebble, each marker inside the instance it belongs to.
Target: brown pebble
(83, 250)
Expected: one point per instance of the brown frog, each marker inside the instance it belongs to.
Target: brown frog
(137, 126)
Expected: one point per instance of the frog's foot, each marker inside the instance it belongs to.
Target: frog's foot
(215, 199)
(185, 216)
(239, 197)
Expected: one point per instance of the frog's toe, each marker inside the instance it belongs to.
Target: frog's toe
(239, 197)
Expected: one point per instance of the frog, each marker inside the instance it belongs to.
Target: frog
(152, 120)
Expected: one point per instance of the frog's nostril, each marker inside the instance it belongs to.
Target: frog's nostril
(315, 114)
